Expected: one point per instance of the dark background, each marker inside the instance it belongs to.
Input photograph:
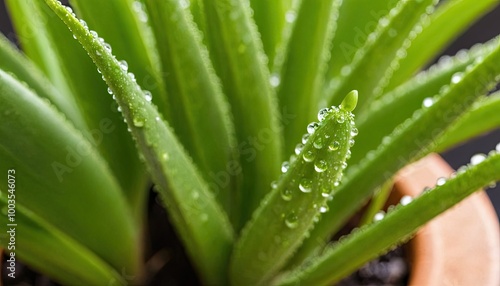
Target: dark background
(485, 29)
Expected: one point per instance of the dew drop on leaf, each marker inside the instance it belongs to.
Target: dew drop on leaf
(291, 220)
(311, 128)
(147, 95)
(110, 91)
(379, 216)
(323, 113)
(498, 147)
(354, 131)
(441, 181)
(286, 194)
(476, 159)
(318, 143)
(320, 166)
(124, 65)
(298, 148)
(305, 138)
(305, 185)
(275, 80)
(309, 156)
(323, 209)
(428, 102)
(405, 200)
(334, 146)
(457, 77)
(285, 166)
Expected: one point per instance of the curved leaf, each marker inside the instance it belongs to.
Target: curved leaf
(54, 165)
(401, 103)
(240, 62)
(302, 72)
(442, 27)
(297, 200)
(203, 226)
(483, 117)
(46, 249)
(369, 242)
(375, 61)
(411, 140)
(202, 118)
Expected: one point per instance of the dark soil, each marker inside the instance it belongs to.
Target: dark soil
(167, 264)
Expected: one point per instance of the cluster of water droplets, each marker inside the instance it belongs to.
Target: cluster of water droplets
(320, 165)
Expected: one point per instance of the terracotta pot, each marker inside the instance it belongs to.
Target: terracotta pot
(461, 246)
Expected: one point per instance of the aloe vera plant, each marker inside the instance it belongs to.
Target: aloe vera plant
(263, 125)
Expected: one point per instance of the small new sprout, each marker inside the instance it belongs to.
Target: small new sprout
(350, 101)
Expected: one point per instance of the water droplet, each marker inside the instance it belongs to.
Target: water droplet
(309, 156)
(290, 16)
(405, 200)
(341, 118)
(275, 80)
(441, 181)
(334, 146)
(320, 166)
(108, 47)
(124, 65)
(94, 34)
(498, 147)
(69, 9)
(336, 184)
(138, 122)
(323, 113)
(274, 184)
(299, 148)
(318, 143)
(457, 77)
(354, 131)
(285, 166)
(305, 138)
(305, 185)
(291, 220)
(147, 95)
(157, 118)
(323, 209)
(119, 109)
(132, 76)
(325, 193)
(492, 185)
(478, 158)
(311, 128)
(286, 194)
(428, 102)
(379, 216)
(345, 71)
(351, 142)
(165, 156)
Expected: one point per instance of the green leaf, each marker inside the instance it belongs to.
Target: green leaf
(441, 28)
(354, 25)
(36, 239)
(37, 44)
(270, 19)
(483, 117)
(202, 119)
(11, 60)
(296, 201)
(397, 226)
(54, 164)
(402, 102)
(203, 227)
(131, 36)
(98, 109)
(374, 62)
(302, 72)
(240, 63)
(411, 140)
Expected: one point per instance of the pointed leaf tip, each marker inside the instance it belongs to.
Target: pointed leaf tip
(350, 101)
